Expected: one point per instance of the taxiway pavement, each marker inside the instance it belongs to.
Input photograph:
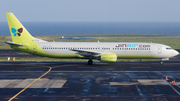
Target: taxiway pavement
(69, 81)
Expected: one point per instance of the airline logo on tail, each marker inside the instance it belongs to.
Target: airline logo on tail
(17, 32)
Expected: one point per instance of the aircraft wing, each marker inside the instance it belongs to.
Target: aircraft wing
(86, 53)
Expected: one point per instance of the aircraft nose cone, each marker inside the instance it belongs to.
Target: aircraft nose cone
(176, 52)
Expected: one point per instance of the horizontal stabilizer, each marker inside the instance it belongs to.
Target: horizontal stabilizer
(11, 43)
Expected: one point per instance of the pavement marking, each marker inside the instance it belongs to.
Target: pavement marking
(141, 82)
(30, 84)
(171, 86)
(33, 67)
(138, 90)
(40, 83)
(46, 90)
(87, 67)
(8, 98)
(37, 78)
(140, 67)
(93, 71)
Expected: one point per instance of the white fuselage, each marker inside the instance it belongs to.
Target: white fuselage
(118, 48)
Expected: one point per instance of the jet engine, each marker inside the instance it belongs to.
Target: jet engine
(108, 58)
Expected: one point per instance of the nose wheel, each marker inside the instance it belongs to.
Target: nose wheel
(161, 62)
(90, 62)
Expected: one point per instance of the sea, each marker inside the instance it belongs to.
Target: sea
(87, 28)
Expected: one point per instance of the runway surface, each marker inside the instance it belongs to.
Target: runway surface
(69, 81)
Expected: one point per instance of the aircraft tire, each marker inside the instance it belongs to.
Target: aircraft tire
(90, 62)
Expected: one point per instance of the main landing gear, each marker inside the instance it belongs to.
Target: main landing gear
(90, 62)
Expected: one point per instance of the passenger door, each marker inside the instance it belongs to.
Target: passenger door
(159, 49)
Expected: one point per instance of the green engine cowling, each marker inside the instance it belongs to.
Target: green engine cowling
(108, 58)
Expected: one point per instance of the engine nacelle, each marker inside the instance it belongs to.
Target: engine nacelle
(108, 58)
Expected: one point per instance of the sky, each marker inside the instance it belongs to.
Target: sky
(92, 10)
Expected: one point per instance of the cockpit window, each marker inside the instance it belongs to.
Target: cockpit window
(168, 48)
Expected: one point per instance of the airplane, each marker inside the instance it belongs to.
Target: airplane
(23, 41)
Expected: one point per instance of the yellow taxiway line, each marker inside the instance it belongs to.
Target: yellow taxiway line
(29, 85)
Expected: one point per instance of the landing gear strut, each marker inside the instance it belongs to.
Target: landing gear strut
(90, 62)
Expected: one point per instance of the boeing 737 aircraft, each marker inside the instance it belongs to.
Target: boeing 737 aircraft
(103, 51)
